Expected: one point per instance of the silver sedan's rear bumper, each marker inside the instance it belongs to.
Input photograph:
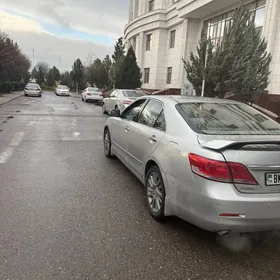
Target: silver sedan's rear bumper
(32, 93)
(216, 206)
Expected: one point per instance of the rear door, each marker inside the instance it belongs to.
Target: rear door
(145, 134)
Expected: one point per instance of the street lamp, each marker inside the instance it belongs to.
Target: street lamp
(205, 65)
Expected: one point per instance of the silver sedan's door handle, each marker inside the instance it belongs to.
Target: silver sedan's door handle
(153, 138)
(127, 129)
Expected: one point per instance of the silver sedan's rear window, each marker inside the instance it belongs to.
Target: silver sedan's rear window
(227, 119)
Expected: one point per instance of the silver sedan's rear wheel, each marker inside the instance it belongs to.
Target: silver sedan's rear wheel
(107, 143)
(155, 193)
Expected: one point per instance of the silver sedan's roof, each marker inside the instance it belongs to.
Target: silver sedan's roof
(175, 99)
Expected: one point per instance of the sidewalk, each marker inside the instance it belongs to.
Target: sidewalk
(6, 97)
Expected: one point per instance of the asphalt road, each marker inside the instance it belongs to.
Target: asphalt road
(67, 212)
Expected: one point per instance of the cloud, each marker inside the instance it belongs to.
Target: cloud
(65, 28)
(10, 22)
(50, 48)
(92, 16)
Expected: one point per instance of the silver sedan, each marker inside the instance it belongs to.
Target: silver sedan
(32, 89)
(62, 90)
(214, 163)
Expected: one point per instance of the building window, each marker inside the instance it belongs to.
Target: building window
(169, 75)
(217, 26)
(172, 39)
(151, 5)
(146, 75)
(148, 42)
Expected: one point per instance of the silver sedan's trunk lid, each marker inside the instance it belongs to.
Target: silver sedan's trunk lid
(260, 154)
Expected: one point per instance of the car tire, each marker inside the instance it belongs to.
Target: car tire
(155, 193)
(107, 143)
(104, 109)
(85, 100)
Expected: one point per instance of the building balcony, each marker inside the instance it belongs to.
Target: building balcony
(159, 18)
(156, 16)
(199, 9)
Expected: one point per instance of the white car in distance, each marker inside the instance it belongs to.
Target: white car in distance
(92, 94)
(62, 90)
(120, 99)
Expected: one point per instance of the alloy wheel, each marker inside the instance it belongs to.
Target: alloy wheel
(155, 192)
(107, 143)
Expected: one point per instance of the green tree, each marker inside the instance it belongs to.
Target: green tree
(56, 74)
(67, 79)
(77, 73)
(107, 63)
(34, 73)
(245, 67)
(118, 56)
(14, 65)
(119, 50)
(240, 64)
(129, 76)
(52, 76)
(43, 66)
(196, 70)
(98, 74)
(41, 75)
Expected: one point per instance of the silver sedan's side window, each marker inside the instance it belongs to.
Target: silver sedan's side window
(150, 113)
(160, 122)
(133, 111)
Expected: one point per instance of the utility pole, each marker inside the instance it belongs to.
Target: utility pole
(59, 61)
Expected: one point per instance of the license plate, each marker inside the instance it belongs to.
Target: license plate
(272, 179)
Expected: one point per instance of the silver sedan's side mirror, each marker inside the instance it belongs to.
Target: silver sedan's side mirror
(115, 113)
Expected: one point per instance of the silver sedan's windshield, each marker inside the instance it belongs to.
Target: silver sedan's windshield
(133, 93)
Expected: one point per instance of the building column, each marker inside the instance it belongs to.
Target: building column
(140, 50)
(130, 11)
(192, 31)
(182, 73)
(271, 31)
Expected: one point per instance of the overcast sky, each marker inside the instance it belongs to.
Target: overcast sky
(64, 28)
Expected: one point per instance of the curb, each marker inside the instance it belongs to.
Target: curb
(1, 104)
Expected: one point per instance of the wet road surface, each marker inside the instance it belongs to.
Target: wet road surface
(67, 212)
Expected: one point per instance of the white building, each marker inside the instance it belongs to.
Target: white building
(163, 32)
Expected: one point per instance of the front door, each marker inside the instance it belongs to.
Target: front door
(120, 131)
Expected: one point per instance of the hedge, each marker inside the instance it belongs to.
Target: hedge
(8, 86)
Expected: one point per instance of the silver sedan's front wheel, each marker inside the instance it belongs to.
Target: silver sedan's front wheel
(155, 193)
(107, 143)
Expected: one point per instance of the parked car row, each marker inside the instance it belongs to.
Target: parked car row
(118, 99)
(214, 163)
